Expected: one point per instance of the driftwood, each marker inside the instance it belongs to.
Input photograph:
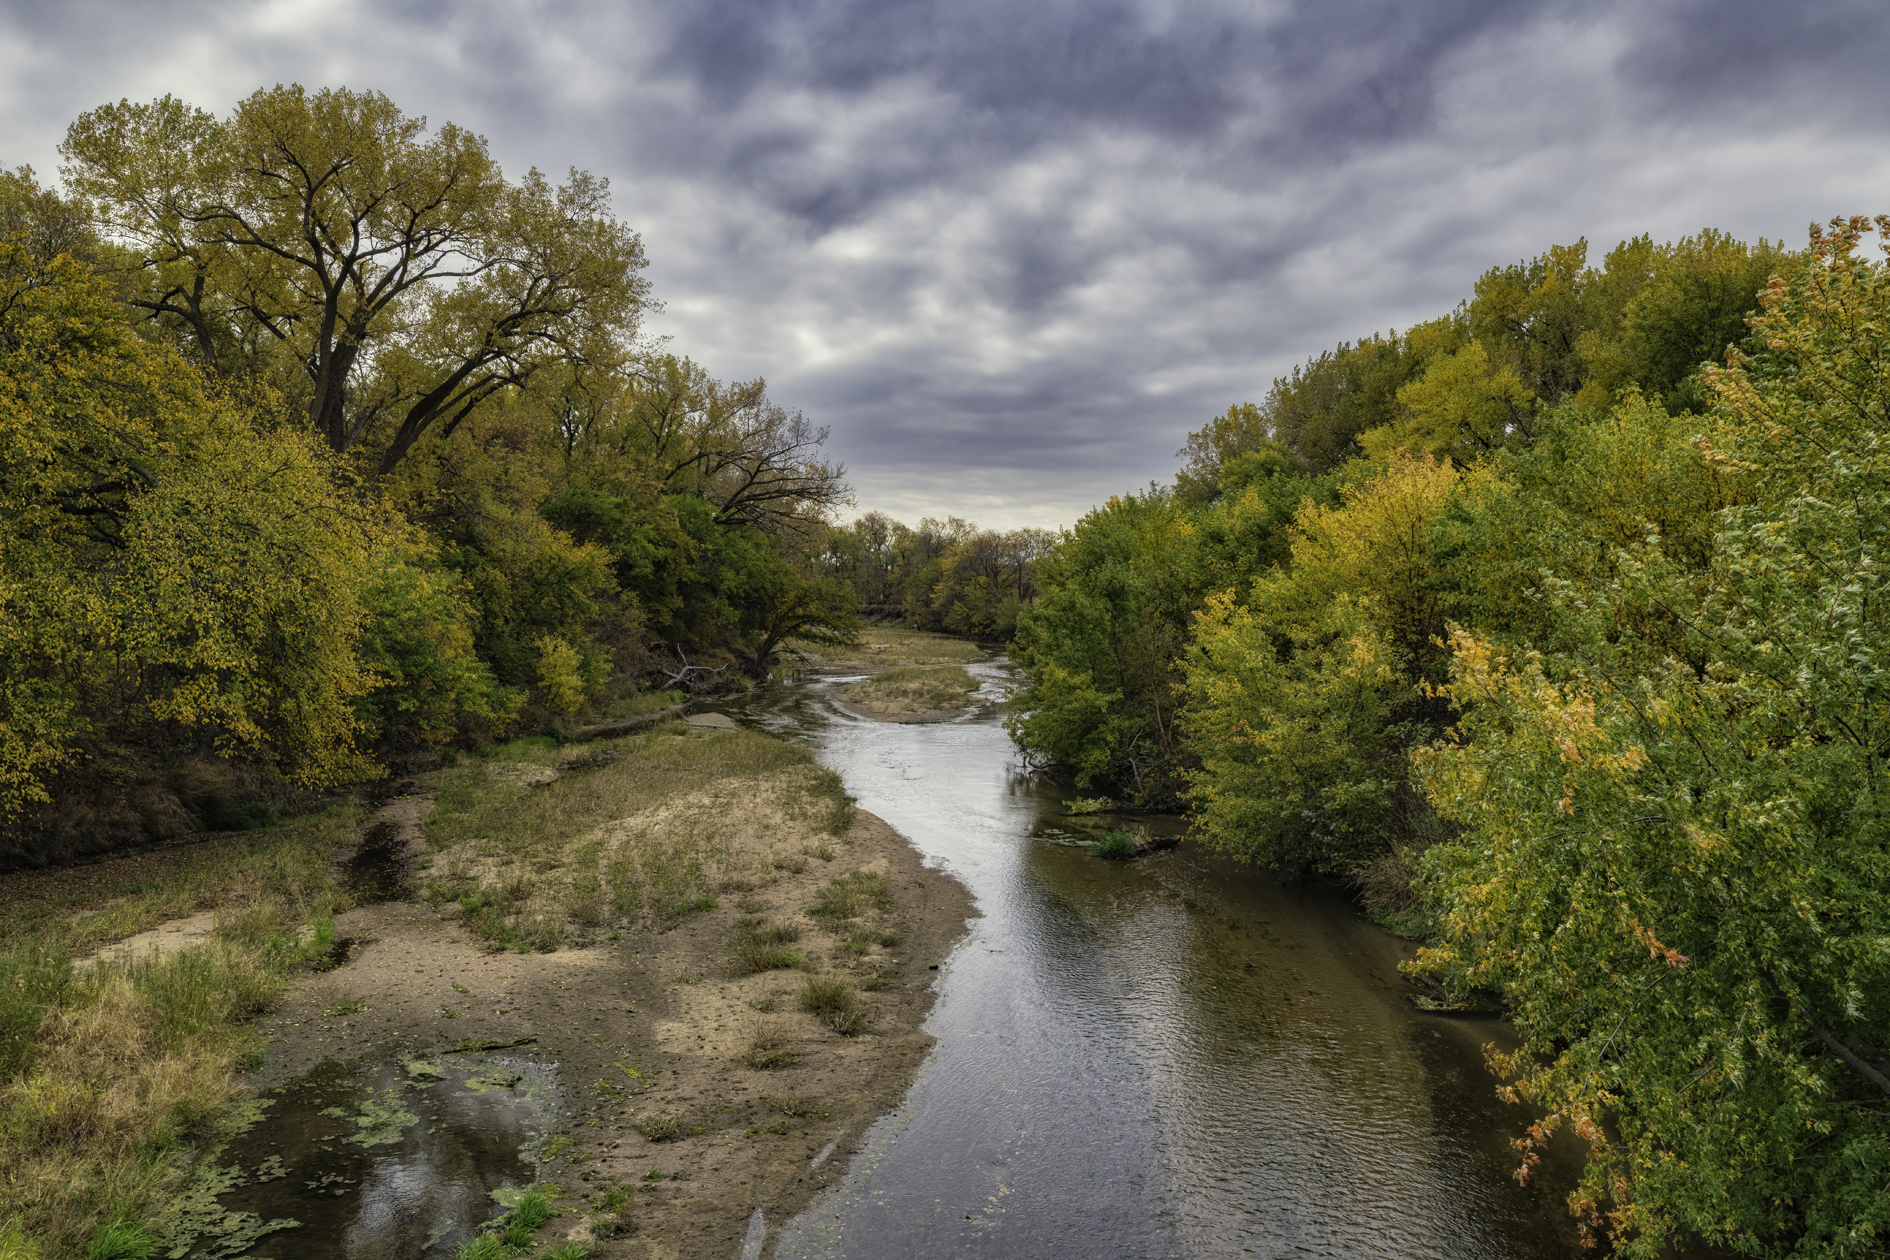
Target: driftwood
(691, 677)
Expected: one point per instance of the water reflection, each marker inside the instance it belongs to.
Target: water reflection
(389, 1160)
(1174, 1057)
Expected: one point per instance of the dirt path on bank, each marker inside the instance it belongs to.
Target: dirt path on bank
(653, 1024)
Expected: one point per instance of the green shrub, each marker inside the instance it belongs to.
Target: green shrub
(559, 674)
(1117, 846)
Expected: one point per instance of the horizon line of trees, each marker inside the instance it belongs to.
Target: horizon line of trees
(1551, 625)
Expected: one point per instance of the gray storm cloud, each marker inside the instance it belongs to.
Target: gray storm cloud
(1012, 254)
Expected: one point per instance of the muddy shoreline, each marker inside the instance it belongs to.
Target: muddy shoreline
(671, 1006)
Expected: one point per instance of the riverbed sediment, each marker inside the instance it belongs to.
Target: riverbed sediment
(652, 1029)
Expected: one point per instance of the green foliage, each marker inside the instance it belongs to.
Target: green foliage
(558, 674)
(239, 222)
(1099, 648)
(1568, 656)
(1672, 859)
(169, 557)
(1700, 292)
(1117, 846)
(419, 642)
(948, 575)
(1462, 408)
(1318, 410)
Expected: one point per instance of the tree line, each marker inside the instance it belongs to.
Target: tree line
(1552, 626)
(327, 444)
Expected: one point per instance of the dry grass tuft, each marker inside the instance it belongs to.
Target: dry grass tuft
(770, 1048)
(855, 896)
(833, 1001)
(662, 1126)
(796, 1106)
(762, 946)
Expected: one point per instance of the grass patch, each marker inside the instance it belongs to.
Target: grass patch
(1117, 846)
(795, 1105)
(853, 896)
(889, 648)
(763, 946)
(752, 959)
(110, 1074)
(643, 841)
(906, 692)
(832, 1000)
(515, 1232)
(770, 1048)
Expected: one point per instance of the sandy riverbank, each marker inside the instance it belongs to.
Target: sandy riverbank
(417, 983)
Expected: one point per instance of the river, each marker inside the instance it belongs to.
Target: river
(1178, 1056)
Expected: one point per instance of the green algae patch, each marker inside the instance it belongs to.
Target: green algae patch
(477, 1044)
(198, 1224)
(420, 1071)
(380, 1120)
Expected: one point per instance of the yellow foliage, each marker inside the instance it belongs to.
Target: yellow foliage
(1462, 408)
(559, 674)
(1374, 546)
(167, 554)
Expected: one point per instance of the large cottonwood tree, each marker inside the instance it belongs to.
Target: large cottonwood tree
(399, 268)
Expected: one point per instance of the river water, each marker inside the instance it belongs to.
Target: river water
(1177, 1056)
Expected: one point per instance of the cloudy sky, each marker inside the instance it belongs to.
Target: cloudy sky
(1012, 253)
